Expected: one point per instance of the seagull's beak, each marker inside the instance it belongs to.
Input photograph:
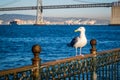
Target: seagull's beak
(76, 30)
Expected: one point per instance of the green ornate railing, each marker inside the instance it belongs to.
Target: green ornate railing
(95, 66)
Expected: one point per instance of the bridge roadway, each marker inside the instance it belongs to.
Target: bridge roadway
(58, 6)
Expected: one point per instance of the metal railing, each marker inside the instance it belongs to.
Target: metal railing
(95, 66)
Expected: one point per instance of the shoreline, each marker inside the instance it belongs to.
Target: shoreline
(43, 25)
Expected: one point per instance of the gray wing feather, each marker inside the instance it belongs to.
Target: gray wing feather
(74, 41)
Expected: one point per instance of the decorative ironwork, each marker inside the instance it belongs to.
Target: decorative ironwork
(24, 73)
(69, 68)
(95, 66)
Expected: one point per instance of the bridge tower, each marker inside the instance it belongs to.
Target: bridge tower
(39, 17)
(115, 13)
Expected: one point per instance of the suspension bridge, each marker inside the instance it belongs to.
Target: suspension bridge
(115, 9)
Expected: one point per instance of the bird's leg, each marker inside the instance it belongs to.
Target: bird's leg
(81, 52)
(76, 51)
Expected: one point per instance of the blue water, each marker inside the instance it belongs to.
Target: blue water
(16, 42)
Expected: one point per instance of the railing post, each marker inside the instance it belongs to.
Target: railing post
(36, 61)
(93, 51)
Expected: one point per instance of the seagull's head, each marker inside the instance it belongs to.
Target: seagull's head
(80, 29)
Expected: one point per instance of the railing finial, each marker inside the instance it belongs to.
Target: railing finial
(36, 49)
(93, 51)
(93, 43)
(36, 61)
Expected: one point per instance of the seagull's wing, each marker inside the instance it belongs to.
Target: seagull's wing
(73, 42)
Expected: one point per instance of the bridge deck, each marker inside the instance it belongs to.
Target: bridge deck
(58, 6)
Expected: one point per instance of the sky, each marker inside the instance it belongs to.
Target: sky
(73, 12)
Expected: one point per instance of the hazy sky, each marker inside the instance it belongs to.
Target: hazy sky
(73, 12)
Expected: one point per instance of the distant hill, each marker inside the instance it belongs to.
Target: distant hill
(10, 17)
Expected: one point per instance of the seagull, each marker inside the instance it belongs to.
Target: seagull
(79, 42)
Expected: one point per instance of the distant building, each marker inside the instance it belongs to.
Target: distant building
(1, 21)
(13, 23)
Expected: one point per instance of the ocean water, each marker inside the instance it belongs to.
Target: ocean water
(16, 42)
